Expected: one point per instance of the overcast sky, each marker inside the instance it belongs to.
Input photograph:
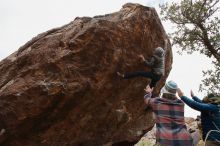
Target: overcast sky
(22, 20)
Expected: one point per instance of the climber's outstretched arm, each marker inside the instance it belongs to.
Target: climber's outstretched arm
(148, 63)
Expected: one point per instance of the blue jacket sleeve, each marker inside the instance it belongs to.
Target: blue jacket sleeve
(199, 106)
(197, 99)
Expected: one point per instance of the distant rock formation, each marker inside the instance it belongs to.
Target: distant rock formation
(61, 87)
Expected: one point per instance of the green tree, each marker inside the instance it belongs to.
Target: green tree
(197, 29)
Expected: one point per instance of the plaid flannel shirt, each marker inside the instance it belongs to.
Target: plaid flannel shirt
(170, 125)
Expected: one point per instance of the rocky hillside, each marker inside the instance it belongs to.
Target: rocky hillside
(61, 87)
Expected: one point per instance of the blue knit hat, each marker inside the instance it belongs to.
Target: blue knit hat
(170, 88)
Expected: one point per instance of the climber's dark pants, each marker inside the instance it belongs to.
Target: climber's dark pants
(153, 76)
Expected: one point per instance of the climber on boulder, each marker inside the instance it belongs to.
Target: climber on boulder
(169, 116)
(156, 62)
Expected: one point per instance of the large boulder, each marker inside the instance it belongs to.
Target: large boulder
(61, 87)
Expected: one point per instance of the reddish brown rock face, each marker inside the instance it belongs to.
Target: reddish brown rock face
(61, 88)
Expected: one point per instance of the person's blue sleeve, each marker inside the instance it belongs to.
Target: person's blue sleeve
(199, 106)
(197, 99)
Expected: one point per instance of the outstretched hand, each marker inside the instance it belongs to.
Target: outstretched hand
(191, 93)
(166, 41)
(148, 89)
(141, 57)
(180, 92)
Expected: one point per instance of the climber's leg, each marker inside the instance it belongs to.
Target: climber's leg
(138, 74)
(154, 79)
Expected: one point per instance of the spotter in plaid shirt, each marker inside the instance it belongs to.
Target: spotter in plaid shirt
(170, 125)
